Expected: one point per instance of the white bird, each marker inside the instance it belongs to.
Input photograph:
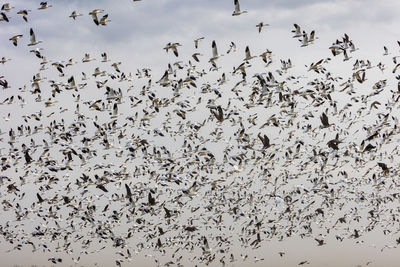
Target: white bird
(305, 41)
(386, 51)
(172, 46)
(232, 48)
(346, 57)
(164, 81)
(87, 58)
(44, 5)
(70, 62)
(237, 11)
(215, 55)
(248, 55)
(6, 7)
(75, 14)
(33, 39)
(297, 31)
(312, 37)
(105, 58)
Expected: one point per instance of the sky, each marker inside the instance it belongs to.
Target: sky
(136, 36)
(140, 30)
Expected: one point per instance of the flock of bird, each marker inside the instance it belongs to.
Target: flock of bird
(186, 167)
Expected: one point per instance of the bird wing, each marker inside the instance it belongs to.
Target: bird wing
(33, 37)
(128, 191)
(214, 49)
(195, 57)
(248, 52)
(174, 50)
(324, 120)
(237, 6)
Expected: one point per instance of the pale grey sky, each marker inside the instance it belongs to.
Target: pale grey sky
(136, 36)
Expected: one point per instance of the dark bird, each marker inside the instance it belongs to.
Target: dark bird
(369, 147)
(28, 158)
(265, 140)
(383, 166)
(40, 199)
(324, 120)
(320, 241)
(4, 17)
(151, 200)
(219, 114)
(102, 188)
(334, 143)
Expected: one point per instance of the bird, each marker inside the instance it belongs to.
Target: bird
(44, 5)
(196, 42)
(87, 58)
(33, 38)
(304, 41)
(261, 25)
(164, 81)
(104, 57)
(248, 55)
(59, 66)
(37, 52)
(196, 56)
(321, 242)
(265, 141)
(219, 114)
(75, 14)
(24, 14)
(3, 17)
(173, 47)
(215, 54)
(232, 48)
(6, 7)
(15, 38)
(324, 120)
(94, 13)
(4, 60)
(297, 31)
(104, 19)
(237, 10)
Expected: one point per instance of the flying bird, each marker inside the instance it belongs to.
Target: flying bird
(261, 25)
(15, 38)
(44, 5)
(237, 10)
(33, 38)
(75, 14)
(196, 42)
(94, 13)
(24, 14)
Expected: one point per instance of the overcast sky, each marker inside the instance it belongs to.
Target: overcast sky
(138, 32)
